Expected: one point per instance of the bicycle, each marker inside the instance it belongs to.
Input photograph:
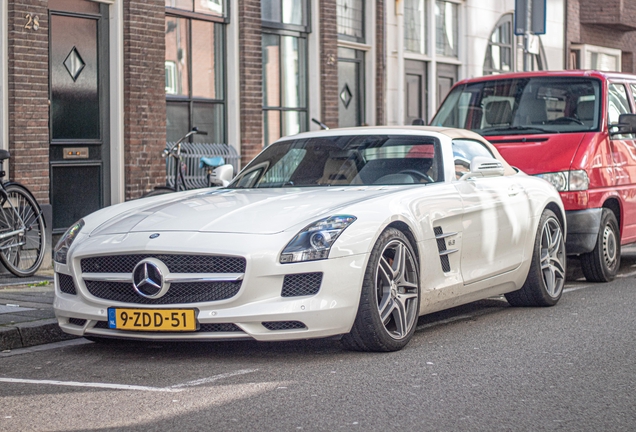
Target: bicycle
(178, 171)
(22, 239)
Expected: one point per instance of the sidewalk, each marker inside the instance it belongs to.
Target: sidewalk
(26, 311)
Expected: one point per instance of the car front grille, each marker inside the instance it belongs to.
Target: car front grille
(203, 328)
(77, 321)
(175, 263)
(301, 284)
(187, 292)
(66, 284)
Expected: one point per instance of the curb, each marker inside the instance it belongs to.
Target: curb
(32, 333)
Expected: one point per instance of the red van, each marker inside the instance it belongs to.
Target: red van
(573, 129)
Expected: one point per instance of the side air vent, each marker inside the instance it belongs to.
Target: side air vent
(440, 236)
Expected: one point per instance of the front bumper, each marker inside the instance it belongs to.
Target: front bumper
(583, 227)
(329, 312)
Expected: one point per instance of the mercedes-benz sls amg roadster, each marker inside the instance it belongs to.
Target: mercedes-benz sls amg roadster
(346, 233)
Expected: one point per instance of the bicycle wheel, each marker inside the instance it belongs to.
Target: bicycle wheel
(22, 252)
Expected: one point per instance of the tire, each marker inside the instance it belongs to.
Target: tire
(602, 264)
(546, 277)
(21, 254)
(158, 191)
(391, 288)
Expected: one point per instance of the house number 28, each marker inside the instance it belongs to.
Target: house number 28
(32, 22)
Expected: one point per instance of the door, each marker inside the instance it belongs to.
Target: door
(79, 151)
(416, 94)
(350, 87)
(446, 78)
(623, 148)
(495, 220)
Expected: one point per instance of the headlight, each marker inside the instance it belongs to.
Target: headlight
(567, 180)
(61, 248)
(314, 241)
(579, 180)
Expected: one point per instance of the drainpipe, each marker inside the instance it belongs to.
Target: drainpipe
(399, 12)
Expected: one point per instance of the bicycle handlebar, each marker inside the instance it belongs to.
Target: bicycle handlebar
(194, 131)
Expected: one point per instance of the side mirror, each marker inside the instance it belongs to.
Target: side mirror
(626, 125)
(482, 166)
(223, 174)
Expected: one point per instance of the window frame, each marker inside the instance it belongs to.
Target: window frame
(189, 99)
(301, 32)
(363, 23)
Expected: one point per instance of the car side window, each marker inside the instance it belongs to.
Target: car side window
(617, 104)
(464, 150)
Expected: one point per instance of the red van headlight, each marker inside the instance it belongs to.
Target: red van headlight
(564, 181)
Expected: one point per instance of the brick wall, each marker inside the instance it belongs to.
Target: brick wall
(144, 95)
(251, 79)
(329, 63)
(620, 14)
(28, 95)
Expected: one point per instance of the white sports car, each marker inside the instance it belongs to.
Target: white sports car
(351, 233)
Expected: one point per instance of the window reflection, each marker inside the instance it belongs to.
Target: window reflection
(446, 28)
(177, 35)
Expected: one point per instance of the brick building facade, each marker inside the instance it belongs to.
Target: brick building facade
(603, 30)
(346, 53)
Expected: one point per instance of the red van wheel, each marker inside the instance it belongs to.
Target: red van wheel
(601, 265)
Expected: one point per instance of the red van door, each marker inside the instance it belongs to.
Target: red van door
(623, 148)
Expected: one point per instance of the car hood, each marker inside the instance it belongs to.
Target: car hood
(537, 154)
(249, 211)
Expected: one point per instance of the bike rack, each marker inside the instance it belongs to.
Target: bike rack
(191, 154)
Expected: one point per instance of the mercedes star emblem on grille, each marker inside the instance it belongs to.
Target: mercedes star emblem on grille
(149, 278)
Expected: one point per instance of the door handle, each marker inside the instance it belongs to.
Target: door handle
(514, 190)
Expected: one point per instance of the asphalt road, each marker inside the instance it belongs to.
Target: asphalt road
(482, 367)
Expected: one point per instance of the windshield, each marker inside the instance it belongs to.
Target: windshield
(343, 161)
(523, 106)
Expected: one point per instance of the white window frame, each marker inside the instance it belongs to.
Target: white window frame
(587, 50)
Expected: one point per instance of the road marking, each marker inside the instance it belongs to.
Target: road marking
(213, 378)
(46, 347)
(626, 275)
(575, 288)
(447, 320)
(88, 384)
(172, 389)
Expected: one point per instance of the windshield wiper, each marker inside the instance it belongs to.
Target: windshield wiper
(515, 128)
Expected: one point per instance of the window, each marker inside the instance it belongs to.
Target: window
(350, 20)
(525, 106)
(207, 7)
(446, 27)
(499, 52)
(194, 66)
(284, 44)
(505, 50)
(595, 57)
(415, 25)
(618, 103)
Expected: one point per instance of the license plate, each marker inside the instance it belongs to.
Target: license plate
(152, 319)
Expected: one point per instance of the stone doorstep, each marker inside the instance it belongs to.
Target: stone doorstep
(32, 333)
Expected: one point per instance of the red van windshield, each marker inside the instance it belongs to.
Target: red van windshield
(523, 106)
